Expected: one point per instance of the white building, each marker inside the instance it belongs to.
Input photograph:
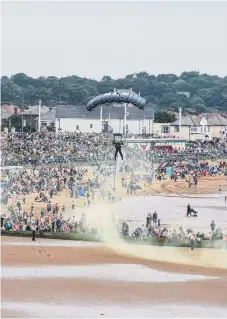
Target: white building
(47, 119)
(194, 127)
(106, 118)
(200, 127)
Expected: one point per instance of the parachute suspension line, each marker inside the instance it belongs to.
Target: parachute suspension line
(115, 175)
(116, 171)
(124, 146)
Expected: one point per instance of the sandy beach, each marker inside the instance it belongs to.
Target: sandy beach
(206, 185)
(99, 275)
(98, 279)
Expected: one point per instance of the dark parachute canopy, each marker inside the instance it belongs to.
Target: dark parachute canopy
(124, 97)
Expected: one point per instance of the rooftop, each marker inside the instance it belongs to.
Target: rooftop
(114, 112)
(34, 110)
(189, 120)
(48, 116)
(194, 120)
(9, 110)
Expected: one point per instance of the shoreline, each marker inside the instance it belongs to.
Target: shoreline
(128, 241)
(200, 261)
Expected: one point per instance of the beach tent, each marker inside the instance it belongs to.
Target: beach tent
(169, 171)
(81, 192)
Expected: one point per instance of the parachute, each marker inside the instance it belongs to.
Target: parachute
(127, 97)
(117, 97)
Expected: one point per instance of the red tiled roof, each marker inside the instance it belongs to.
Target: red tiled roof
(10, 108)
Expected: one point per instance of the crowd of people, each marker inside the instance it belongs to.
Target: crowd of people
(46, 181)
(190, 170)
(34, 151)
(51, 219)
(52, 148)
(194, 150)
(64, 147)
(174, 233)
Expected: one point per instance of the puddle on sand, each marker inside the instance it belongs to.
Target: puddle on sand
(171, 210)
(111, 272)
(139, 310)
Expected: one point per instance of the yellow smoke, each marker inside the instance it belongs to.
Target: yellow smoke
(103, 218)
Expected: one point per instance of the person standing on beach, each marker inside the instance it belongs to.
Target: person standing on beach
(155, 217)
(212, 227)
(188, 210)
(33, 232)
(148, 220)
(192, 241)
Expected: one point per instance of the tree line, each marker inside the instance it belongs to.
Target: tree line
(190, 90)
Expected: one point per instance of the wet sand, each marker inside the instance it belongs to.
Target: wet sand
(172, 210)
(62, 290)
(97, 310)
(9, 312)
(103, 280)
(163, 258)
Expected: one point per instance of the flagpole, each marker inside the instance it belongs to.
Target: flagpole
(125, 117)
(101, 118)
(39, 126)
(180, 118)
(109, 119)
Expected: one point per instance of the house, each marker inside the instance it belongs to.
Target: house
(11, 109)
(202, 127)
(7, 112)
(30, 116)
(164, 129)
(218, 126)
(47, 119)
(106, 118)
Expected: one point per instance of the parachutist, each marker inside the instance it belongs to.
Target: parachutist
(118, 145)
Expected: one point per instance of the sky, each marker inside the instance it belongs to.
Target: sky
(116, 38)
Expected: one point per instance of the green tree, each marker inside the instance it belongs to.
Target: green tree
(206, 91)
(198, 104)
(188, 75)
(143, 74)
(167, 100)
(181, 101)
(9, 90)
(164, 117)
(182, 86)
(161, 88)
(168, 78)
(152, 99)
(140, 85)
(21, 79)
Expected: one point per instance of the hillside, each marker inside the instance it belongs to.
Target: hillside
(204, 92)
